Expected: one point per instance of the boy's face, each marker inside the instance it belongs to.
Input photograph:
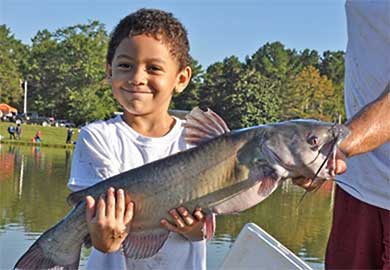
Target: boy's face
(144, 75)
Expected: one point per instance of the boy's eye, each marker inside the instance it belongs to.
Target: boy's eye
(154, 68)
(124, 65)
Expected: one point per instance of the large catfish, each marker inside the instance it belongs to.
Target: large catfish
(228, 172)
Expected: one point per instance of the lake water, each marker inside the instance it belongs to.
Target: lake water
(33, 192)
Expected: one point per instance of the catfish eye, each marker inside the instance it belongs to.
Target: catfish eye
(313, 141)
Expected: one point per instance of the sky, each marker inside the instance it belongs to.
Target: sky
(217, 28)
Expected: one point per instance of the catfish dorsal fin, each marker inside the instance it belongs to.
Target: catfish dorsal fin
(202, 126)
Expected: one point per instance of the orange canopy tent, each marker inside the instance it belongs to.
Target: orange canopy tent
(5, 108)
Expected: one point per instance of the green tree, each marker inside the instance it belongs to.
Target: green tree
(43, 71)
(189, 98)
(332, 65)
(276, 62)
(95, 101)
(241, 95)
(309, 58)
(311, 96)
(68, 60)
(12, 63)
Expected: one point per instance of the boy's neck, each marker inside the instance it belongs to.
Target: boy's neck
(150, 125)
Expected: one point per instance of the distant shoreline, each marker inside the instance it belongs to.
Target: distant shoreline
(24, 143)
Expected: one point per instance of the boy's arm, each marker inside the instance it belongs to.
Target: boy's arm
(108, 218)
(370, 127)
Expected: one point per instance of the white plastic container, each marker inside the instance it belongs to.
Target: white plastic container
(256, 249)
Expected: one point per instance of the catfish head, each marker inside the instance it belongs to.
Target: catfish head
(304, 148)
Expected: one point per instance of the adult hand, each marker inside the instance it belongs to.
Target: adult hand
(109, 219)
(190, 226)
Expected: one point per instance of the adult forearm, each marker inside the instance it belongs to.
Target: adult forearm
(370, 127)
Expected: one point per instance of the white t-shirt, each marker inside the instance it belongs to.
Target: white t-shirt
(367, 67)
(107, 148)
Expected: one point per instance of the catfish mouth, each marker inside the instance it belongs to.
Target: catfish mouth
(328, 149)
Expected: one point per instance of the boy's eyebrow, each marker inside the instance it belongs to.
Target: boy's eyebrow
(123, 56)
(159, 60)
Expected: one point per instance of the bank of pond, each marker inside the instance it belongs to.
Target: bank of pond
(48, 135)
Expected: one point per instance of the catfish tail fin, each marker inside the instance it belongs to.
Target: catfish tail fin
(60, 246)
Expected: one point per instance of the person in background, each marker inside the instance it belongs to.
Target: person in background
(11, 132)
(69, 134)
(18, 131)
(38, 136)
(147, 61)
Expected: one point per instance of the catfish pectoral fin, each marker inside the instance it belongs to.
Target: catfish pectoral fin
(209, 226)
(248, 198)
(139, 245)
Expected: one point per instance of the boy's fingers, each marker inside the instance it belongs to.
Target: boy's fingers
(178, 220)
(110, 208)
(188, 219)
(90, 211)
(127, 197)
(119, 204)
(101, 208)
(129, 213)
(198, 214)
(164, 223)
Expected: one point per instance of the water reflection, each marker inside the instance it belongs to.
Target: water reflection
(33, 191)
(302, 227)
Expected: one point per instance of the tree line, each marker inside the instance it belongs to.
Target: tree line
(65, 70)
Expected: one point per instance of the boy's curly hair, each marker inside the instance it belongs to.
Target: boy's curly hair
(156, 23)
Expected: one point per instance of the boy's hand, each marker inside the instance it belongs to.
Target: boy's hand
(190, 226)
(109, 220)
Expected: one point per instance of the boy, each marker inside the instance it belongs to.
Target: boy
(147, 60)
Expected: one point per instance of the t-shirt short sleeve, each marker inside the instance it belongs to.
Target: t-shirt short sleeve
(92, 161)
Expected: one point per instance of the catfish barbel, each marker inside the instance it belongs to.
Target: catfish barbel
(228, 172)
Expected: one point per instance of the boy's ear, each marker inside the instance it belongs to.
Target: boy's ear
(108, 72)
(183, 79)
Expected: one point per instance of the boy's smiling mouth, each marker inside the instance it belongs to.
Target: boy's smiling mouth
(136, 91)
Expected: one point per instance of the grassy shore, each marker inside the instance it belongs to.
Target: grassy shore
(50, 136)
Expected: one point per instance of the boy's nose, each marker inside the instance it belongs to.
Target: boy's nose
(138, 77)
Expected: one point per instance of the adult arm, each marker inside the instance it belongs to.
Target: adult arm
(370, 127)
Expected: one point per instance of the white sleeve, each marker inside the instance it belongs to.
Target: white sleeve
(92, 160)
